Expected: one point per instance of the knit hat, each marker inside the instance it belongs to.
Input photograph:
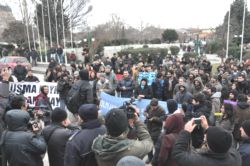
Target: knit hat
(154, 102)
(172, 105)
(130, 161)
(58, 115)
(116, 122)
(246, 127)
(219, 140)
(88, 112)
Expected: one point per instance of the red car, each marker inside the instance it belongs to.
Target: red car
(11, 62)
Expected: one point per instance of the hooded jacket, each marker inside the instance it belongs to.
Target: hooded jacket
(21, 147)
(173, 125)
(183, 97)
(109, 150)
(146, 91)
(199, 89)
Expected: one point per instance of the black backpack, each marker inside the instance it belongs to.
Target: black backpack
(75, 98)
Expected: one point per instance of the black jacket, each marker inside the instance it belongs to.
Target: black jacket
(21, 147)
(56, 137)
(184, 157)
(78, 149)
(20, 72)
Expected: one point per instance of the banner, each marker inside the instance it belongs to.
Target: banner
(108, 102)
(31, 89)
(150, 76)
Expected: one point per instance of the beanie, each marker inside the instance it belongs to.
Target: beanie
(130, 161)
(88, 112)
(246, 127)
(58, 115)
(219, 140)
(172, 105)
(116, 122)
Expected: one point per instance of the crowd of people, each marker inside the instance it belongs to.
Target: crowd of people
(207, 121)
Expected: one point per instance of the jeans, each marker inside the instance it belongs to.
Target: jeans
(62, 104)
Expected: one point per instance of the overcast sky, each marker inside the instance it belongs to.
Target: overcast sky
(161, 13)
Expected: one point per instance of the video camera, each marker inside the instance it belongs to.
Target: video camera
(44, 111)
(129, 109)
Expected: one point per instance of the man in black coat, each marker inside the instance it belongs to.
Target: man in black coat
(20, 72)
(56, 136)
(20, 146)
(219, 151)
(78, 149)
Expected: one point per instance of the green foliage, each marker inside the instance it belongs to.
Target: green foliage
(170, 35)
(155, 41)
(145, 52)
(189, 55)
(145, 46)
(174, 50)
(234, 51)
(213, 47)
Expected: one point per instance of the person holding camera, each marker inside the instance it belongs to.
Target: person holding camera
(155, 115)
(218, 151)
(110, 148)
(19, 145)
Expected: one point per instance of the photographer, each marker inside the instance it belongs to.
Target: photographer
(155, 115)
(218, 151)
(19, 145)
(63, 86)
(110, 148)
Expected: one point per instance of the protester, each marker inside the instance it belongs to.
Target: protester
(126, 85)
(20, 72)
(56, 136)
(219, 150)
(30, 77)
(143, 91)
(244, 148)
(130, 160)
(155, 115)
(20, 146)
(110, 148)
(78, 149)
(63, 86)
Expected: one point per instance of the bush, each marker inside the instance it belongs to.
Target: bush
(234, 51)
(213, 47)
(145, 52)
(174, 50)
(145, 46)
(189, 55)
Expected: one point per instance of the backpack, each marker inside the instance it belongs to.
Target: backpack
(75, 99)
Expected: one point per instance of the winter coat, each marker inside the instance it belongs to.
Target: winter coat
(184, 157)
(20, 72)
(103, 87)
(183, 97)
(21, 147)
(31, 79)
(43, 100)
(112, 79)
(173, 125)
(63, 87)
(146, 91)
(154, 121)
(242, 114)
(78, 149)
(169, 89)
(56, 137)
(196, 90)
(109, 150)
(158, 89)
(244, 150)
(128, 83)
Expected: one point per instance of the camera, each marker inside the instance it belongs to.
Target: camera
(129, 109)
(197, 121)
(44, 112)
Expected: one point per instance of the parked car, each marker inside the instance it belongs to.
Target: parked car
(11, 62)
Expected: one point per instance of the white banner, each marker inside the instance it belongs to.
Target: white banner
(31, 89)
